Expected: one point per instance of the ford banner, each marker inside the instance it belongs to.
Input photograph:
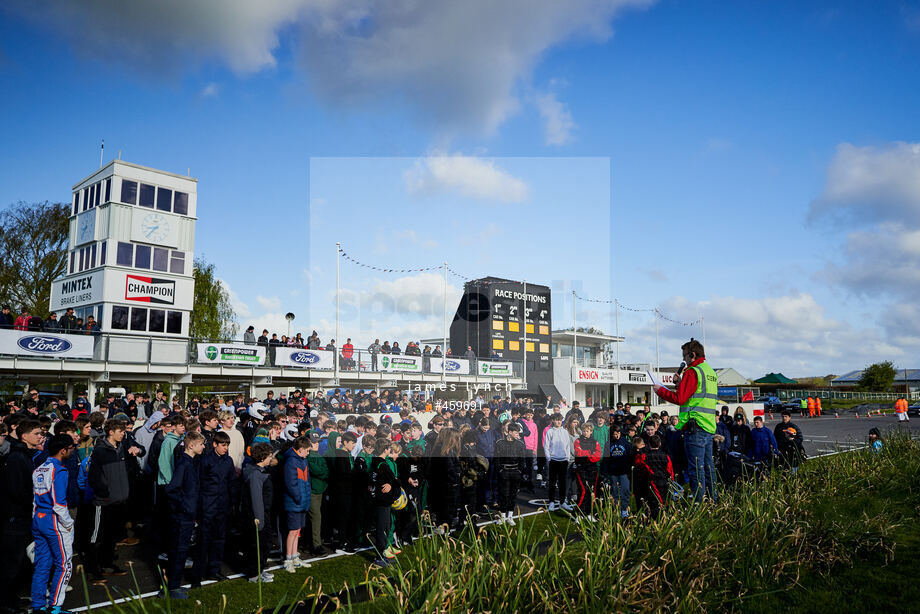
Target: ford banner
(306, 359)
(454, 366)
(45, 345)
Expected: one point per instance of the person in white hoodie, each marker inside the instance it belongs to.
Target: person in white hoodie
(237, 443)
(557, 446)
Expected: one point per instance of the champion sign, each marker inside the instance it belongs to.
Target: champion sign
(44, 344)
(150, 290)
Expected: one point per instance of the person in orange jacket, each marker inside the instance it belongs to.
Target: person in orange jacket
(811, 407)
(818, 406)
(900, 408)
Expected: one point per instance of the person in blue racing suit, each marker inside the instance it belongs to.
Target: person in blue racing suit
(52, 527)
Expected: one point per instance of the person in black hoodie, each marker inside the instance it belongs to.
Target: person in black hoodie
(216, 474)
(652, 473)
(341, 486)
(183, 492)
(108, 478)
(386, 489)
(444, 482)
(510, 455)
(16, 501)
(258, 498)
(473, 468)
(618, 465)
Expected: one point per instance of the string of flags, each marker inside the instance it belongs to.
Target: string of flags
(388, 270)
(620, 305)
(586, 299)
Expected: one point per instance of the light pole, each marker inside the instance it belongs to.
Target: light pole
(290, 318)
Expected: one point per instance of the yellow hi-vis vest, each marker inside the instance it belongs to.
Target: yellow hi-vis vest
(703, 405)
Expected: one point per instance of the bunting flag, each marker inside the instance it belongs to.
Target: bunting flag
(613, 301)
(386, 269)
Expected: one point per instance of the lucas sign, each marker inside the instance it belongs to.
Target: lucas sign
(27, 343)
(230, 354)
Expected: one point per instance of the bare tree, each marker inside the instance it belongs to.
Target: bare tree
(33, 253)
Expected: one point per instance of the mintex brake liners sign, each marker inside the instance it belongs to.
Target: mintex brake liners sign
(150, 290)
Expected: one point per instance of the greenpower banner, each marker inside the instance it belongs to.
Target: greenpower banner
(231, 354)
(495, 368)
(402, 364)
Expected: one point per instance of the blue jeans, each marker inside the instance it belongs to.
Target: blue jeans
(619, 490)
(700, 466)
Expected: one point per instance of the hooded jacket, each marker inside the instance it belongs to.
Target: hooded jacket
(296, 482)
(108, 474)
(557, 444)
(183, 489)
(257, 494)
(144, 436)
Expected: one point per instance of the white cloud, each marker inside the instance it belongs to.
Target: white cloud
(873, 184)
(557, 120)
(873, 193)
(459, 64)
(790, 333)
(270, 303)
(209, 90)
(467, 175)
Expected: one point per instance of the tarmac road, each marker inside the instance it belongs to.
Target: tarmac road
(822, 436)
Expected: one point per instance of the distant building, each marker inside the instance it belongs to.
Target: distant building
(902, 378)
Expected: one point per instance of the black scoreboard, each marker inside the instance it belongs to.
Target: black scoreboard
(494, 314)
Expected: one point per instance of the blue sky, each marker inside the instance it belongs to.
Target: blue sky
(758, 161)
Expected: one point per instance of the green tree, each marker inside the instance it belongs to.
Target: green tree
(878, 377)
(212, 314)
(33, 253)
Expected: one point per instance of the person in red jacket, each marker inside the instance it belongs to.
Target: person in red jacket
(348, 352)
(652, 472)
(22, 322)
(587, 456)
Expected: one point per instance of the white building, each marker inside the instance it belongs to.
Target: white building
(131, 251)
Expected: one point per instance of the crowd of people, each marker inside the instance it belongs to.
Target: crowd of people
(68, 322)
(232, 481)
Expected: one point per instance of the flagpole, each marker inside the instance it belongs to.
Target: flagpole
(335, 350)
(525, 334)
(444, 347)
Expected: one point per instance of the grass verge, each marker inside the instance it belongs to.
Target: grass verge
(842, 532)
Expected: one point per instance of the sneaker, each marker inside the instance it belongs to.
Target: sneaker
(189, 563)
(624, 514)
(178, 593)
(97, 580)
(395, 550)
(388, 553)
(553, 506)
(163, 556)
(57, 610)
(289, 566)
(539, 477)
(267, 577)
(381, 563)
(510, 520)
(301, 563)
(565, 505)
(322, 551)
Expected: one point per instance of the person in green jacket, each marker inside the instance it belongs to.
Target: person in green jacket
(602, 431)
(319, 475)
(167, 459)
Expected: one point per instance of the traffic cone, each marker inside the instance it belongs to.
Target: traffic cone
(836, 415)
(857, 413)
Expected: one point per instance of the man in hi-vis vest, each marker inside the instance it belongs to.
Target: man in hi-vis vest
(697, 396)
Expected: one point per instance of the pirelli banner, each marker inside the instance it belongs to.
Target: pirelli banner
(306, 359)
(455, 366)
(45, 345)
(400, 363)
(231, 354)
